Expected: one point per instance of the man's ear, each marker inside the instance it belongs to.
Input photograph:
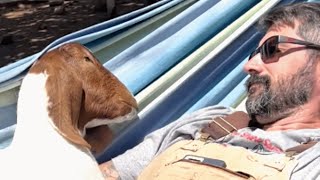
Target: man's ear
(317, 73)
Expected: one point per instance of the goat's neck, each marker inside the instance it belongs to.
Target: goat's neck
(38, 147)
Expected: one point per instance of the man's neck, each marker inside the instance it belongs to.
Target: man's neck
(304, 117)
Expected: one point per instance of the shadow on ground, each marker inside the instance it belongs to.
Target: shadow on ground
(26, 28)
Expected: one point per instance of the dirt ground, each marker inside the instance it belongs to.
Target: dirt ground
(28, 27)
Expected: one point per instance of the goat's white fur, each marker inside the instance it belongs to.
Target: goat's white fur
(98, 122)
(38, 151)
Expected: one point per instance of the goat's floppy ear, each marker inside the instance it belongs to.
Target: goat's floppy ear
(65, 109)
(99, 138)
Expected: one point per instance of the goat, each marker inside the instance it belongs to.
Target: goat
(66, 101)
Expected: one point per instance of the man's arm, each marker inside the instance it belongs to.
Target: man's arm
(130, 164)
(109, 171)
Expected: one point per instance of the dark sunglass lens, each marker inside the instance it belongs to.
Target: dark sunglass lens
(269, 49)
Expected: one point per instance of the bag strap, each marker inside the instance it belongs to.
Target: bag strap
(222, 126)
(300, 148)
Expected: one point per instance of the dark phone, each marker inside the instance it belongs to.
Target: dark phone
(205, 160)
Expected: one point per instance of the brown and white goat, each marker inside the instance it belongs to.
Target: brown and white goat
(64, 93)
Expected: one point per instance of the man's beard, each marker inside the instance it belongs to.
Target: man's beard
(268, 103)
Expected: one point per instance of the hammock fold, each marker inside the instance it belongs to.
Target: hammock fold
(175, 56)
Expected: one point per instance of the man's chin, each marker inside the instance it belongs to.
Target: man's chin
(255, 89)
(264, 119)
(252, 98)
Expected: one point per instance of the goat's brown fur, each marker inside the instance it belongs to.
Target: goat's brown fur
(81, 89)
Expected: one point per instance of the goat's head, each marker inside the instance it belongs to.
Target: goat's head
(83, 94)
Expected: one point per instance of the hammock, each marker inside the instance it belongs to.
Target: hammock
(175, 56)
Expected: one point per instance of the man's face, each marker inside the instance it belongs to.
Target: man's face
(276, 88)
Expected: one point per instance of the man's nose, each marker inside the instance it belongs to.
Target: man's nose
(253, 65)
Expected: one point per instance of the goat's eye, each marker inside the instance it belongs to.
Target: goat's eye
(87, 59)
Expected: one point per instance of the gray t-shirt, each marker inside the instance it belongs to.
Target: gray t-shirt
(133, 161)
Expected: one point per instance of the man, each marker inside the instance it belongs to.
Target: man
(283, 101)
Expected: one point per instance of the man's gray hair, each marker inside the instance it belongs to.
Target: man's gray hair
(305, 15)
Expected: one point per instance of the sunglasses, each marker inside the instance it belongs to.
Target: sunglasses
(270, 46)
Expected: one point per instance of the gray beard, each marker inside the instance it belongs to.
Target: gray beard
(280, 100)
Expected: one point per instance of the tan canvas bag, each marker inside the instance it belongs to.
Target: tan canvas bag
(183, 161)
(200, 159)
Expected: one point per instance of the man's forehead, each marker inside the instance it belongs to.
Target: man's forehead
(280, 30)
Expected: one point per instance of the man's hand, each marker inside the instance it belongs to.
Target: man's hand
(108, 171)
